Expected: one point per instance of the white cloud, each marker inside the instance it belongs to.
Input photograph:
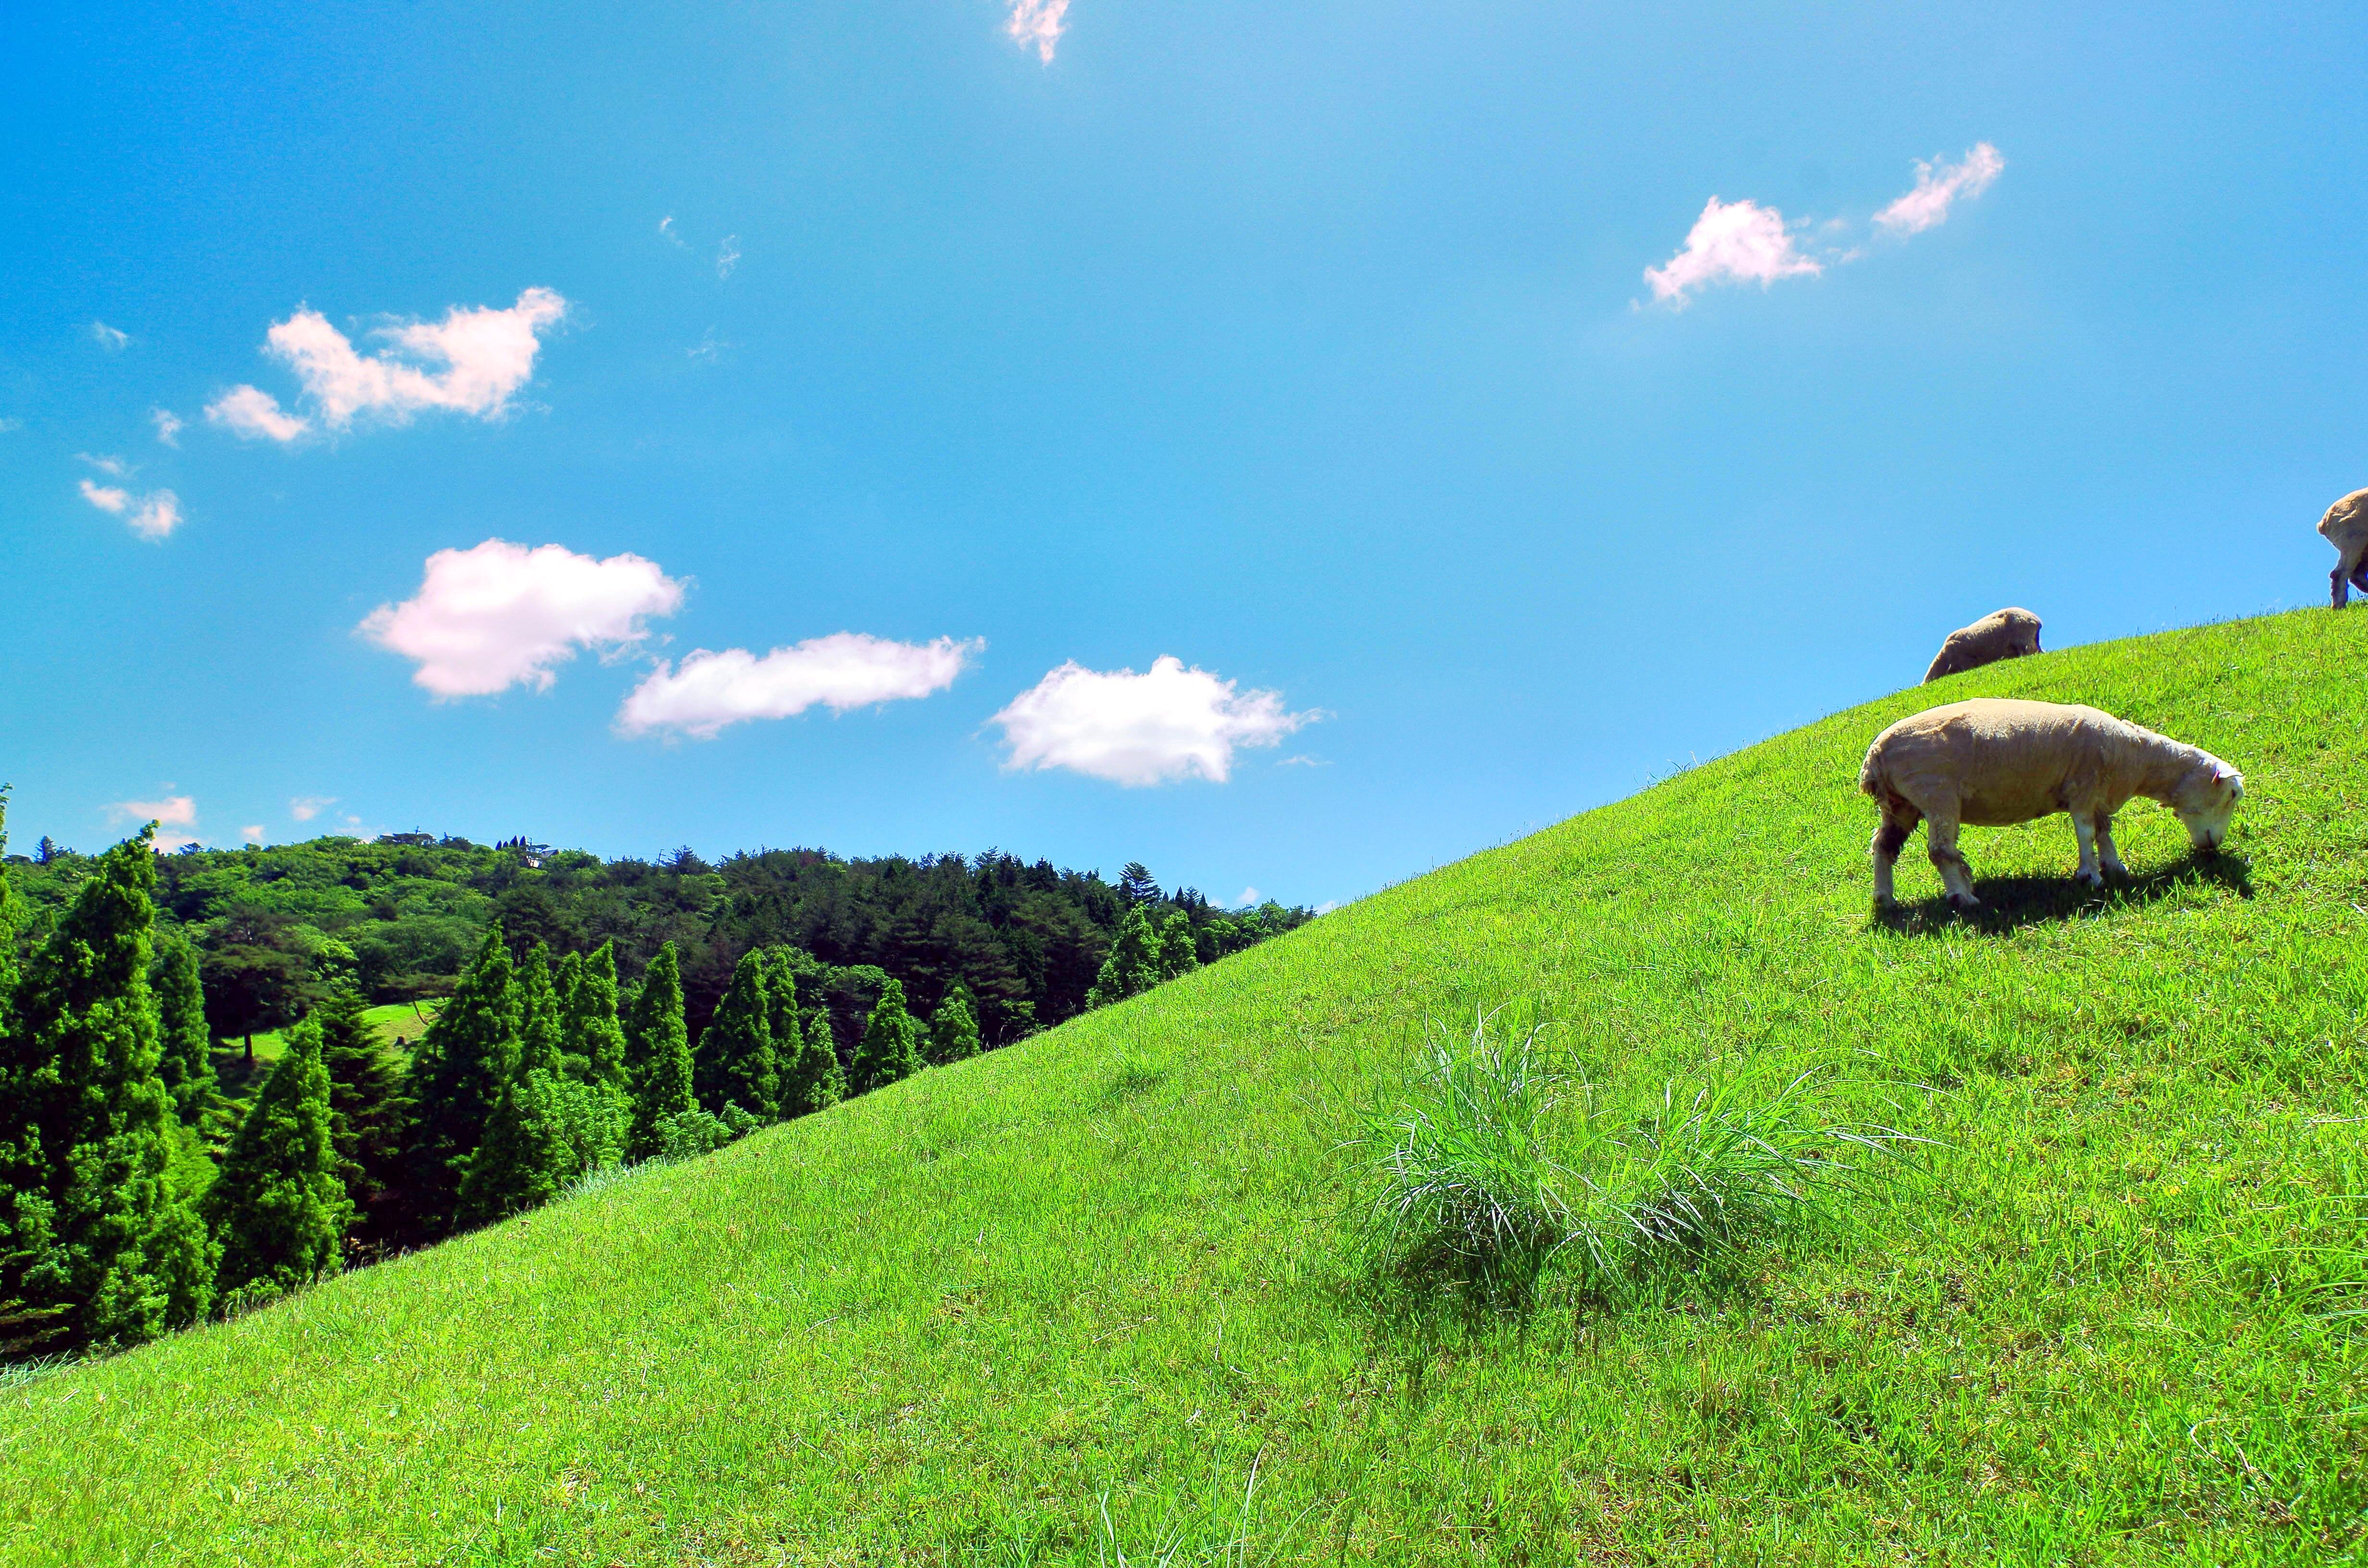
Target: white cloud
(1732, 242)
(845, 670)
(1249, 897)
(491, 617)
(168, 426)
(252, 835)
(1937, 186)
(1141, 729)
(666, 231)
(158, 513)
(173, 810)
(727, 255)
(107, 465)
(106, 497)
(304, 807)
(1037, 23)
(710, 348)
(253, 414)
(109, 339)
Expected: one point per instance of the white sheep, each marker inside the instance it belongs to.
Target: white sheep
(1992, 763)
(2346, 527)
(2008, 633)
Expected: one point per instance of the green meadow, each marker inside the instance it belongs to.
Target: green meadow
(1094, 1298)
(398, 1025)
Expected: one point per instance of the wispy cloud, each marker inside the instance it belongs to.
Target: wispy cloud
(108, 338)
(472, 363)
(1732, 242)
(1249, 897)
(710, 348)
(847, 669)
(8, 425)
(106, 497)
(252, 835)
(168, 426)
(1167, 724)
(304, 807)
(176, 817)
(152, 515)
(1037, 24)
(107, 465)
(1939, 184)
(503, 615)
(727, 255)
(667, 230)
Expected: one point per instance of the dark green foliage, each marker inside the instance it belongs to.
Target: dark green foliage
(1135, 884)
(365, 1098)
(1177, 953)
(736, 1061)
(815, 1081)
(594, 1036)
(892, 1045)
(186, 1058)
(278, 1204)
(468, 1054)
(101, 1246)
(539, 1018)
(658, 1053)
(255, 970)
(1133, 964)
(953, 1032)
(525, 1158)
(565, 976)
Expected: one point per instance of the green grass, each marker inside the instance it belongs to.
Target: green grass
(1061, 1303)
(399, 1025)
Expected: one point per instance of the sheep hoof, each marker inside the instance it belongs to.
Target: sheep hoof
(2093, 880)
(1963, 903)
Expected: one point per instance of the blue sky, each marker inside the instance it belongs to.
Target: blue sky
(1311, 347)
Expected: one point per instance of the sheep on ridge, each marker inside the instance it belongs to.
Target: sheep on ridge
(1993, 763)
(2346, 527)
(2001, 634)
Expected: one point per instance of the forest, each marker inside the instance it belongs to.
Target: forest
(581, 1015)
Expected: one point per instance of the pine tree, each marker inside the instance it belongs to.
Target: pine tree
(278, 1204)
(593, 1036)
(457, 1075)
(1177, 953)
(890, 1048)
(815, 1081)
(525, 1158)
(564, 975)
(187, 1060)
(101, 1246)
(365, 1098)
(1133, 964)
(954, 1029)
(736, 1062)
(539, 1024)
(658, 1049)
(1134, 883)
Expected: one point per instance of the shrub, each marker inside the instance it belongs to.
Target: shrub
(688, 1134)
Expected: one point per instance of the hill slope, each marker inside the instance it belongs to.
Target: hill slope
(1068, 1296)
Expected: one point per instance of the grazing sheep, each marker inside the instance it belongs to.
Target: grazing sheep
(2346, 527)
(1992, 763)
(2001, 634)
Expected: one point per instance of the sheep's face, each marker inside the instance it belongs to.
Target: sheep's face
(2205, 802)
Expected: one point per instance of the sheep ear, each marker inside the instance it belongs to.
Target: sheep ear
(2222, 773)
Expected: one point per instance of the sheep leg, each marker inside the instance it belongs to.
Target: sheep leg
(1941, 843)
(1890, 837)
(2084, 828)
(2341, 585)
(2108, 854)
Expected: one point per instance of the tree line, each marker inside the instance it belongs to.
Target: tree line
(137, 1197)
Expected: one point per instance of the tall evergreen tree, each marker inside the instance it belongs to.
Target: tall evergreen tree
(539, 1024)
(525, 1158)
(457, 1075)
(101, 1247)
(185, 1061)
(735, 1064)
(1134, 883)
(594, 1033)
(890, 1048)
(278, 1204)
(1178, 952)
(565, 976)
(658, 1047)
(813, 1081)
(365, 1098)
(954, 1029)
(1133, 964)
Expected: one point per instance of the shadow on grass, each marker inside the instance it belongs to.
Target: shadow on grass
(2010, 904)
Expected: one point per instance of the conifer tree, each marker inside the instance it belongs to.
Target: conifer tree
(365, 1098)
(565, 976)
(1178, 954)
(815, 1081)
(101, 1247)
(954, 1029)
(594, 1034)
(658, 1048)
(525, 1158)
(1133, 964)
(890, 1048)
(187, 1058)
(736, 1064)
(538, 1021)
(457, 1075)
(279, 1204)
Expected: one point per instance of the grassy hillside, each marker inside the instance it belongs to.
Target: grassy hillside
(1060, 1303)
(398, 1025)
